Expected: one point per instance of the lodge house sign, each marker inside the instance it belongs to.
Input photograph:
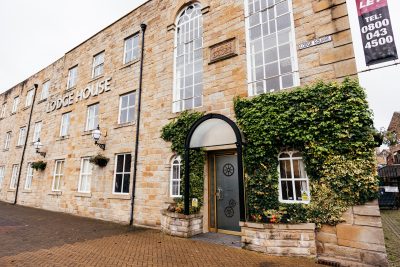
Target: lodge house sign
(71, 98)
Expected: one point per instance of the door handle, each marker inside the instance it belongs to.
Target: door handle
(220, 193)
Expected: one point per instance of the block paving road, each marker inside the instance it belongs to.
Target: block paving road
(33, 237)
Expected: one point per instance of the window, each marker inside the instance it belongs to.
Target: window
(188, 69)
(45, 90)
(7, 140)
(131, 48)
(122, 174)
(14, 177)
(65, 124)
(15, 104)
(92, 119)
(29, 98)
(58, 175)
(126, 108)
(1, 175)
(271, 46)
(293, 181)
(72, 77)
(29, 175)
(98, 65)
(36, 131)
(175, 188)
(3, 111)
(85, 176)
(22, 136)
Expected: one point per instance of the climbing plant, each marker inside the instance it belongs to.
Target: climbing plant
(176, 132)
(331, 124)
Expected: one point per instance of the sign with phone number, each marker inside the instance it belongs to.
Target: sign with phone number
(376, 31)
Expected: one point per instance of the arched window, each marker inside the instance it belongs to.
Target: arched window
(188, 66)
(175, 183)
(293, 180)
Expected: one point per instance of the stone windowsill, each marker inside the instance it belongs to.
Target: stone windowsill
(12, 113)
(70, 89)
(26, 107)
(5, 149)
(27, 191)
(55, 193)
(81, 194)
(122, 125)
(62, 138)
(19, 146)
(42, 100)
(96, 78)
(10, 190)
(89, 132)
(130, 63)
(119, 196)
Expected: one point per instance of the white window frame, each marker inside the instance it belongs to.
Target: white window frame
(176, 161)
(65, 122)
(292, 179)
(293, 49)
(72, 77)
(127, 108)
(131, 53)
(3, 111)
(29, 176)
(29, 98)
(21, 136)
(123, 174)
(57, 177)
(7, 141)
(37, 131)
(14, 176)
(2, 169)
(98, 64)
(179, 88)
(85, 177)
(45, 90)
(92, 117)
(15, 104)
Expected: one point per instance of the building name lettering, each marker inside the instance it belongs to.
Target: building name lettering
(315, 42)
(71, 98)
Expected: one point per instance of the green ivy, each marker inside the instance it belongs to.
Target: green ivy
(331, 124)
(176, 132)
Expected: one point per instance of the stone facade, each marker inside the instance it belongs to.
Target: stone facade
(358, 241)
(280, 239)
(222, 81)
(181, 225)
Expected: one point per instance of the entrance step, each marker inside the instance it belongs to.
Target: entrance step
(221, 239)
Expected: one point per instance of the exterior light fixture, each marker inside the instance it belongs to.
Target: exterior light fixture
(96, 134)
(37, 145)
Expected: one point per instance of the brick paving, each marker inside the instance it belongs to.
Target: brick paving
(32, 237)
(391, 228)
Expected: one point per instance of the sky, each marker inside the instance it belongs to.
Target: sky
(36, 33)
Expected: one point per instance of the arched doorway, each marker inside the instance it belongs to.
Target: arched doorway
(216, 130)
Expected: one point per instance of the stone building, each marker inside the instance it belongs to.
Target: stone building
(197, 56)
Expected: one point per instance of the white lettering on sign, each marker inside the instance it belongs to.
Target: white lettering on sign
(367, 3)
(315, 42)
(70, 98)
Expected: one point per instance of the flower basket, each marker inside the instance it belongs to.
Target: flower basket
(99, 160)
(39, 165)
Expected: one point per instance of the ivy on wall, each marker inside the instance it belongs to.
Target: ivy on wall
(331, 125)
(176, 132)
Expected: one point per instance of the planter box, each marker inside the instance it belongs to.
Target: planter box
(177, 224)
(280, 239)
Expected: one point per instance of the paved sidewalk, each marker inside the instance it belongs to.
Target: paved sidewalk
(391, 228)
(32, 237)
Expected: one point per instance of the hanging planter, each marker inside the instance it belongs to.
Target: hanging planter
(99, 160)
(39, 165)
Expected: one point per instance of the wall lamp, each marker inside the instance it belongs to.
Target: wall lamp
(37, 145)
(96, 134)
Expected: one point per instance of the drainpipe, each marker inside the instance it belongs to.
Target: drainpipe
(143, 27)
(25, 143)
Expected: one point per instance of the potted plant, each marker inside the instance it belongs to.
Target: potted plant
(39, 165)
(99, 160)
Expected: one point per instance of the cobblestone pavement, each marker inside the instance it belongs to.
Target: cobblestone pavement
(32, 237)
(391, 228)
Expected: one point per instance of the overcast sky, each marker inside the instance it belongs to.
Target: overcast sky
(36, 33)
